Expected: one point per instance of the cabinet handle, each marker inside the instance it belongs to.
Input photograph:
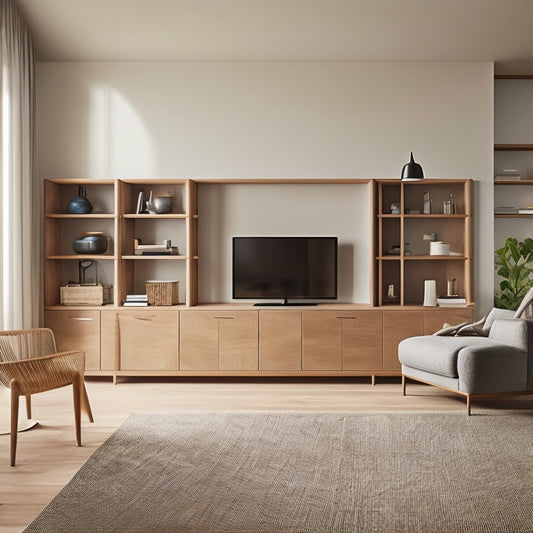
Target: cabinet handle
(224, 317)
(81, 318)
(146, 319)
(347, 317)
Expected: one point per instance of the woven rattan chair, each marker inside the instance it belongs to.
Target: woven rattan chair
(29, 363)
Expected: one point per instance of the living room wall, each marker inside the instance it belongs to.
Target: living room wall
(274, 119)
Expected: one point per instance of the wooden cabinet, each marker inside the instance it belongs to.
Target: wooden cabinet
(280, 340)
(341, 340)
(144, 341)
(404, 231)
(399, 325)
(77, 329)
(229, 339)
(219, 340)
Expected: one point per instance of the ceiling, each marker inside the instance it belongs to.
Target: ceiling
(122, 30)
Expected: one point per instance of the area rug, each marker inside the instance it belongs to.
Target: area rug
(294, 472)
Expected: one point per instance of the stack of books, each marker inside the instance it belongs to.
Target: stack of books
(164, 248)
(508, 174)
(135, 300)
(527, 210)
(451, 301)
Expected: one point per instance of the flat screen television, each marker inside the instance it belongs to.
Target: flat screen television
(286, 268)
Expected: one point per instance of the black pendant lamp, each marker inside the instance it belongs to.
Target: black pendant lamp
(412, 171)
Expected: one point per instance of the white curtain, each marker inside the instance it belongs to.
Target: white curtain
(19, 209)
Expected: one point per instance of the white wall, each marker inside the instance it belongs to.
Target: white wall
(273, 119)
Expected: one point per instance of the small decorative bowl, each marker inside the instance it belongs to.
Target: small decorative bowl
(90, 243)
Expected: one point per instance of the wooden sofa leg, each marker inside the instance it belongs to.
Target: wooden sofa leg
(468, 410)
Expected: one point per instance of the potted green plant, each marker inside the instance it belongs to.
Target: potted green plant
(514, 263)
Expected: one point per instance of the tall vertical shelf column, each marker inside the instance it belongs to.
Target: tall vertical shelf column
(403, 259)
(62, 228)
(513, 157)
(176, 226)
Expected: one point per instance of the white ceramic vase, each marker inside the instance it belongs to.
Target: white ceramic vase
(430, 293)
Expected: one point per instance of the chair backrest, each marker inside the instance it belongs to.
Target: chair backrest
(26, 343)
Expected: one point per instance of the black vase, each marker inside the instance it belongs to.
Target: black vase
(80, 205)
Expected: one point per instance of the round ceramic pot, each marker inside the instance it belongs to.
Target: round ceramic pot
(162, 204)
(90, 244)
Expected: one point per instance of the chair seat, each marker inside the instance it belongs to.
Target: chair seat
(435, 354)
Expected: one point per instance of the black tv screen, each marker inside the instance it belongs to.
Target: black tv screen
(295, 268)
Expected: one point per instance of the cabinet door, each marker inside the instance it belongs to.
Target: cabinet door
(77, 330)
(398, 325)
(198, 341)
(148, 340)
(280, 340)
(435, 319)
(238, 340)
(321, 340)
(362, 340)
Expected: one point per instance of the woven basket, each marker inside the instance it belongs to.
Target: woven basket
(162, 292)
(86, 295)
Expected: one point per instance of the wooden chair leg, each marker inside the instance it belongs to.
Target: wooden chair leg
(85, 403)
(77, 397)
(28, 407)
(468, 406)
(14, 422)
(403, 385)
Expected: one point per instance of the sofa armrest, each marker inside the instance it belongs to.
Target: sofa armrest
(511, 332)
(490, 369)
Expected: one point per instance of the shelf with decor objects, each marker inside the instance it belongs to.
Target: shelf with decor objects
(513, 158)
(413, 216)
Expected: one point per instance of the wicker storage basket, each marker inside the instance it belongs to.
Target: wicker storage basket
(86, 295)
(162, 292)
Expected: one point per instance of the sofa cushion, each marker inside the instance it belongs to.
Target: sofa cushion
(436, 354)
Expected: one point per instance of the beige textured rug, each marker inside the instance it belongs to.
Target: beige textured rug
(283, 472)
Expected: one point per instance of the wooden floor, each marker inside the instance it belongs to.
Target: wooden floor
(47, 457)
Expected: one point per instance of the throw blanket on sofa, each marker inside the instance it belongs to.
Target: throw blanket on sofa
(481, 328)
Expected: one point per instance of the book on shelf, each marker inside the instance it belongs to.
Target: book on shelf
(527, 210)
(505, 210)
(135, 300)
(451, 301)
(136, 297)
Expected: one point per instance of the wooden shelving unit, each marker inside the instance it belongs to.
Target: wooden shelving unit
(237, 339)
(407, 270)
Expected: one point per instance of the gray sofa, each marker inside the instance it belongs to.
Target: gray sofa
(492, 358)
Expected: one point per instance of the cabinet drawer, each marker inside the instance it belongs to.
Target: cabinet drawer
(77, 330)
(398, 325)
(280, 340)
(362, 341)
(223, 340)
(149, 340)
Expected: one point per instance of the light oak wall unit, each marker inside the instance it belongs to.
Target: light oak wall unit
(344, 338)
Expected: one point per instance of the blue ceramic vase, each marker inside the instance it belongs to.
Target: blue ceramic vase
(80, 205)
